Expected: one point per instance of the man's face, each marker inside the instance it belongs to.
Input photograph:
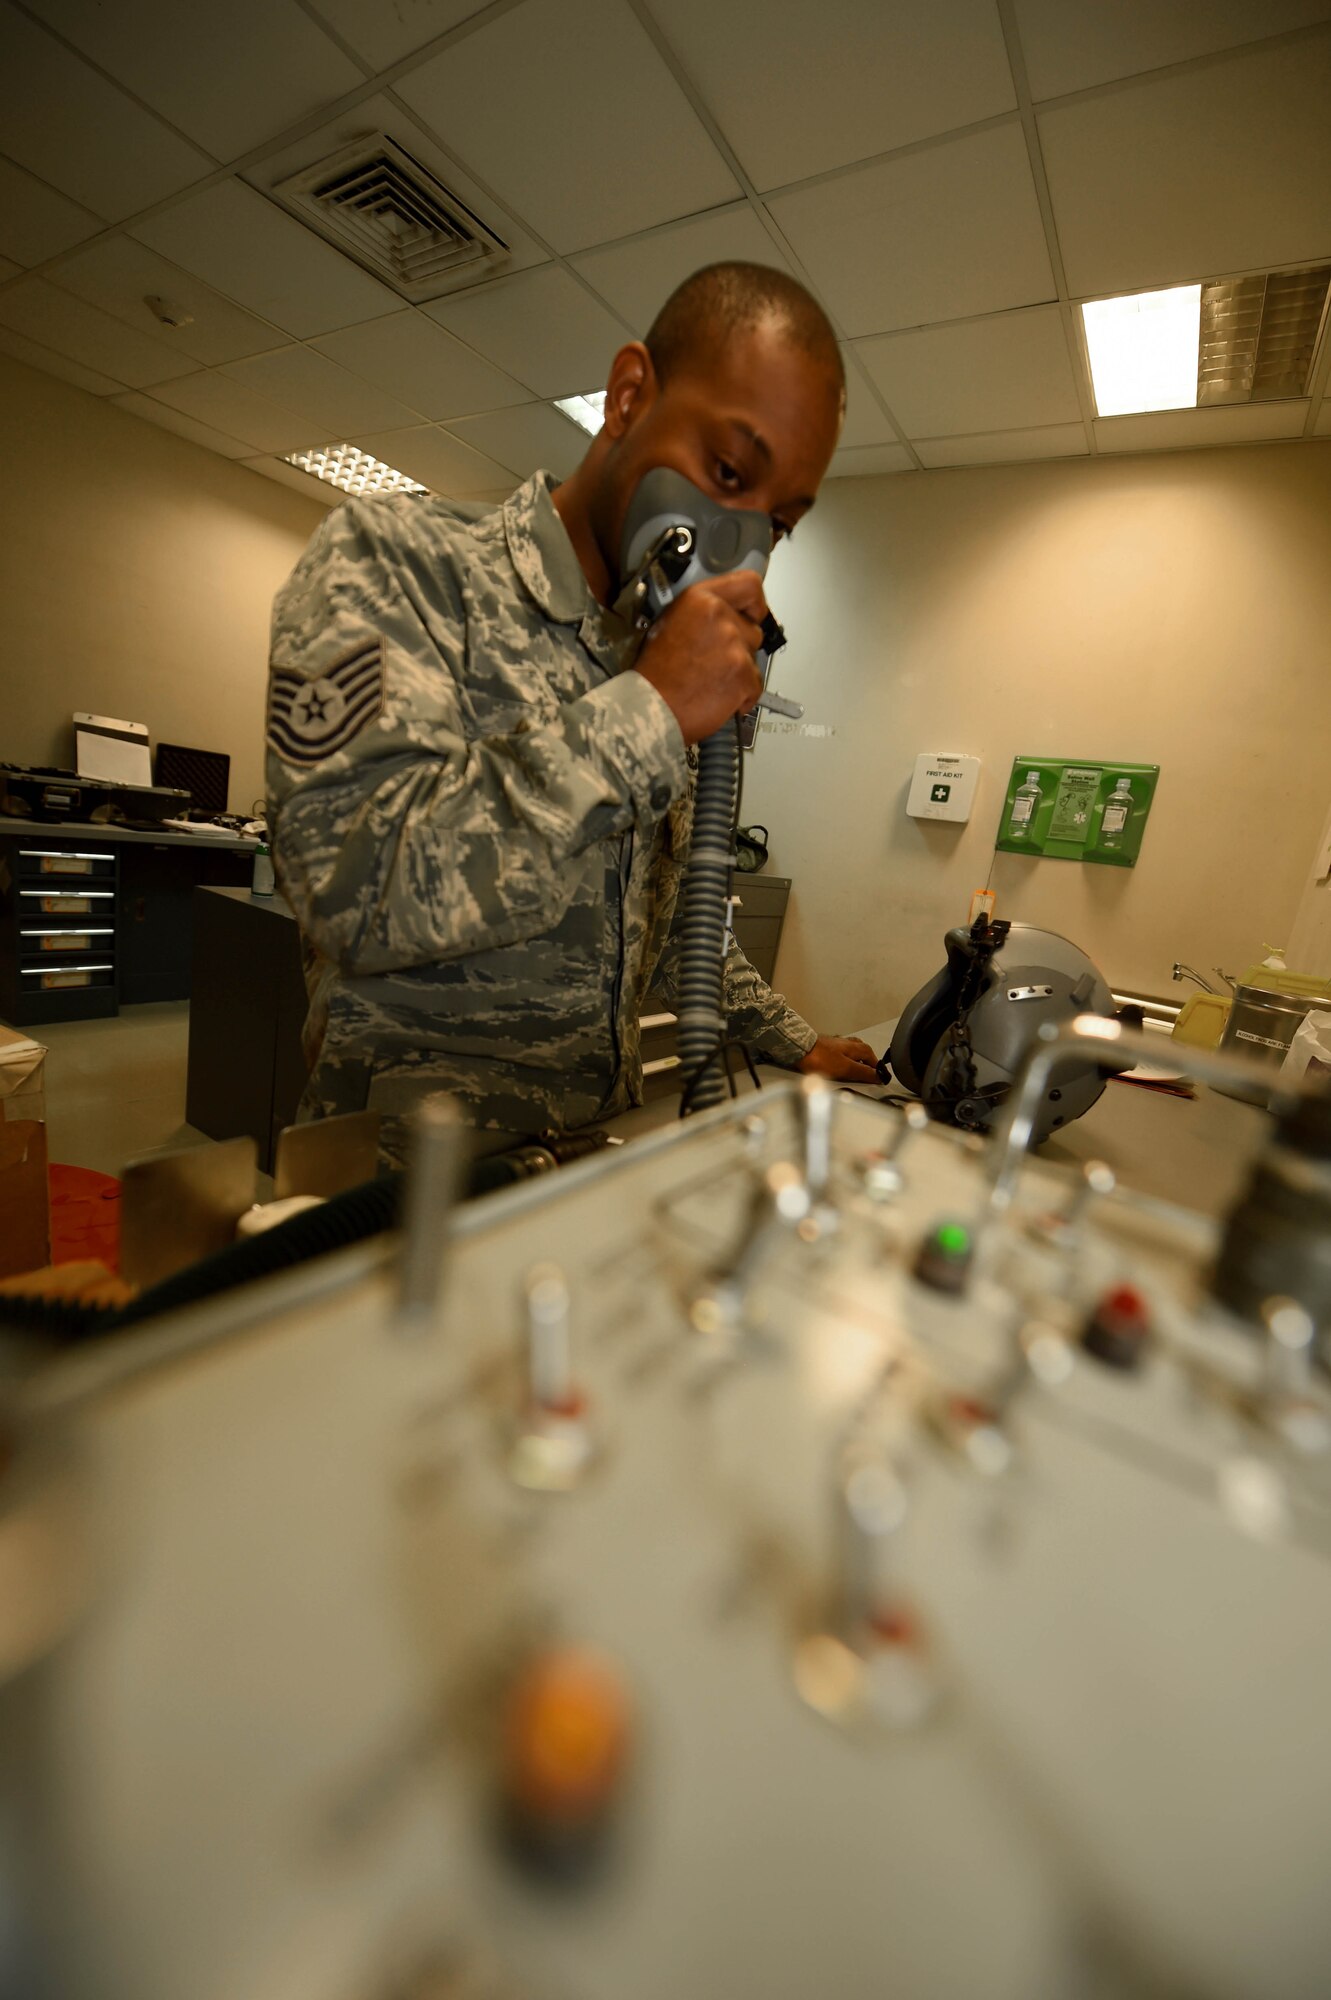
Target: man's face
(752, 426)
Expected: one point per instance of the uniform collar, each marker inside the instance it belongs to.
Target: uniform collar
(542, 554)
(548, 567)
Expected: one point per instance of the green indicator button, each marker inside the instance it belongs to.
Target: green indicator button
(953, 1239)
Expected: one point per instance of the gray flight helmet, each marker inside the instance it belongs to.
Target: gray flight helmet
(1035, 976)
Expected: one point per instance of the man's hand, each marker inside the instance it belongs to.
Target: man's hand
(699, 655)
(845, 1058)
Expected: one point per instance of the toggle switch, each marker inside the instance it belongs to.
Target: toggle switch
(1291, 1405)
(1096, 1181)
(436, 1179)
(883, 1178)
(779, 1206)
(871, 1663)
(818, 1103)
(555, 1443)
(871, 1509)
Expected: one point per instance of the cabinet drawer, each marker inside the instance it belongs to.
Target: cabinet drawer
(97, 905)
(40, 942)
(762, 895)
(66, 976)
(84, 861)
(757, 938)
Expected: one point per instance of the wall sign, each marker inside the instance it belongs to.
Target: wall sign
(1077, 811)
(943, 786)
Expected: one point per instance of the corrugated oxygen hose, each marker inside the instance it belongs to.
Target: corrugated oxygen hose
(703, 922)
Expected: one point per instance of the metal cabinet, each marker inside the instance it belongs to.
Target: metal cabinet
(94, 919)
(59, 931)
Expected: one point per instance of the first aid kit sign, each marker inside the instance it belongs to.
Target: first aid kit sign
(943, 786)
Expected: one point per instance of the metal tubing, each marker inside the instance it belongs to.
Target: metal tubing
(1088, 1034)
(440, 1153)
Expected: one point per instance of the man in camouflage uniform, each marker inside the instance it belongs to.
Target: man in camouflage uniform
(480, 776)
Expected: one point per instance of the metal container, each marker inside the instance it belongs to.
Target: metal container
(1268, 1007)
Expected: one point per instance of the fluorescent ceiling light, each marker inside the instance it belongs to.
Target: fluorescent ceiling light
(352, 470)
(588, 411)
(1143, 350)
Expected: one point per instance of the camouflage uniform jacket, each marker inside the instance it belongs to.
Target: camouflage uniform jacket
(480, 819)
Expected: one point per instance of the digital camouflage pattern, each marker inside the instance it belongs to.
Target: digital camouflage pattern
(480, 819)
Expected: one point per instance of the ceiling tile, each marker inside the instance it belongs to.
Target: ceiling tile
(8, 270)
(384, 34)
(71, 127)
(531, 438)
(314, 489)
(1071, 48)
(951, 230)
(567, 110)
(439, 461)
(35, 221)
(57, 320)
(861, 460)
(228, 77)
(119, 275)
(341, 403)
(865, 423)
(237, 411)
(797, 93)
(1008, 372)
(1187, 430)
(636, 277)
(540, 327)
(237, 240)
(1005, 447)
(1243, 148)
(19, 348)
(168, 419)
(412, 357)
(383, 114)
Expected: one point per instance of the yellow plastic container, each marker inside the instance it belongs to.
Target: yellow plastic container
(1202, 1020)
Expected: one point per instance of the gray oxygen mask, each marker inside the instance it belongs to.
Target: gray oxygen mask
(675, 535)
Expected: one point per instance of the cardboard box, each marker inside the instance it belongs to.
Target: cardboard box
(25, 1208)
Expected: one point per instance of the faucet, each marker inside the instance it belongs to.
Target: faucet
(1187, 972)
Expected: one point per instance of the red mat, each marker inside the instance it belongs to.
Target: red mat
(85, 1216)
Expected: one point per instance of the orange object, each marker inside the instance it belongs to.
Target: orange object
(566, 1736)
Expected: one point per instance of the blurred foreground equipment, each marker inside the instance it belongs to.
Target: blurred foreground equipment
(807, 1552)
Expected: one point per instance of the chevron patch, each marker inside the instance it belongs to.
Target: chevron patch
(310, 720)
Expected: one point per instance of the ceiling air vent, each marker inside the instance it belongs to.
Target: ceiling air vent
(390, 213)
(1259, 335)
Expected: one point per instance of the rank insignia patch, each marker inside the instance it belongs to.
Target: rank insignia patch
(309, 720)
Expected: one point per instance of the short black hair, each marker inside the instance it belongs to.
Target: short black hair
(720, 300)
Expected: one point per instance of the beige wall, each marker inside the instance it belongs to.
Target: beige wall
(136, 576)
(1173, 609)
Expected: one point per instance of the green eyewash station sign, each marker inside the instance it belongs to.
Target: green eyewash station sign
(1077, 812)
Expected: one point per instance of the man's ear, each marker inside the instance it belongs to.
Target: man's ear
(630, 390)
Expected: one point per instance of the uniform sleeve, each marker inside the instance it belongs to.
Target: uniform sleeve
(400, 837)
(755, 1015)
(760, 1018)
